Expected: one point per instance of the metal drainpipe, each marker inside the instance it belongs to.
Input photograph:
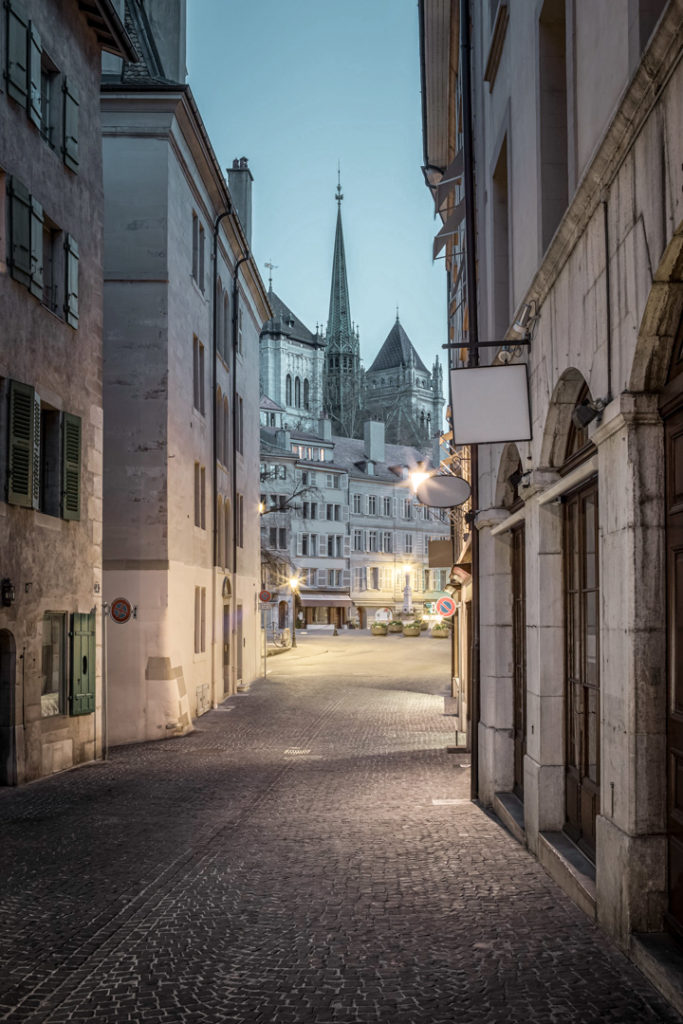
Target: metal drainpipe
(235, 312)
(470, 235)
(214, 451)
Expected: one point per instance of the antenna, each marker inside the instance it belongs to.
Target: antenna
(340, 195)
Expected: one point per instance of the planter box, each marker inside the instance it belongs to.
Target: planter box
(398, 628)
(411, 630)
(440, 634)
(378, 630)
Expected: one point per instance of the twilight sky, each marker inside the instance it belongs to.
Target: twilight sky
(296, 86)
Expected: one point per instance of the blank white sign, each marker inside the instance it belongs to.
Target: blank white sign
(490, 403)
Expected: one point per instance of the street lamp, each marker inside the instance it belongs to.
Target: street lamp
(418, 476)
(407, 591)
(294, 586)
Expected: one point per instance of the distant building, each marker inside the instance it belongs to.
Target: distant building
(291, 366)
(184, 306)
(51, 384)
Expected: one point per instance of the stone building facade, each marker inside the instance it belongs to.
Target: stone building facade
(50, 383)
(184, 306)
(579, 231)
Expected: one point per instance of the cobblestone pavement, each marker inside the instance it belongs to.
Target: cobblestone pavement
(308, 854)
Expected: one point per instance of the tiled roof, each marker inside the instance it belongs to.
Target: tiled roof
(397, 350)
(285, 322)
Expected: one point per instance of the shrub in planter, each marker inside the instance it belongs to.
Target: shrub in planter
(411, 629)
(423, 624)
(440, 630)
(378, 629)
(395, 626)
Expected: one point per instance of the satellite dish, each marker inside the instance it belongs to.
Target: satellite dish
(443, 491)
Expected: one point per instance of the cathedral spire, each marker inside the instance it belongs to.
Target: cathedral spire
(339, 320)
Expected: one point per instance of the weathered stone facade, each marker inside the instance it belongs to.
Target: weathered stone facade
(51, 385)
(579, 214)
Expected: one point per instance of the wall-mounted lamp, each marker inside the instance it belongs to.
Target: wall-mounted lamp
(524, 322)
(7, 594)
(588, 411)
(515, 478)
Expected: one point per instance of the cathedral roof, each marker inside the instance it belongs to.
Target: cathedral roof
(285, 322)
(341, 335)
(397, 350)
(268, 403)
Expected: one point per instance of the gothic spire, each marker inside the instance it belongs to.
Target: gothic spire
(339, 320)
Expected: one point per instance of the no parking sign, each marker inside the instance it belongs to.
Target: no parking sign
(445, 607)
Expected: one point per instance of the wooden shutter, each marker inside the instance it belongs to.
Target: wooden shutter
(71, 289)
(82, 695)
(17, 53)
(347, 547)
(34, 104)
(70, 148)
(20, 453)
(36, 237)
(35, 454)
(299, 544)
(20, 232)
(322, 577)
(71, 466)
(346, 578)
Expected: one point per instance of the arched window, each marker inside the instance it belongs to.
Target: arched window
(220, 455)
(297, 393)
(226, 326)
(288, 390)
(226, 432)
(306, 394)
(220, 533)
(219, 317)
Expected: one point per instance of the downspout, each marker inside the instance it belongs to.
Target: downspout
(214, 451)
(473, 360)
(608, 295)
(235, 323)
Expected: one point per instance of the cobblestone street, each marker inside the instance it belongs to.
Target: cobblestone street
(308, 854)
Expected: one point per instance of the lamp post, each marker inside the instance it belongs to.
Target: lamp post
(294, 586)
(407, 592)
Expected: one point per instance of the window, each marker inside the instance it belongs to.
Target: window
(220, 532)
(48, 98)
(306, 394)
(53, 668)
(356, 504)
(329, 480)
(407, 509)
(501, 248)
(200, 280)
(330, 546)
(43, 455)
(552, 65)
(297, 393)
(386, 506)
(272, 537)
(330, 511)
(357, 540)
(288, 390)
(220, 454)
(228, 533)
(199, 496)
(226, 431)
(314, 510)
(387, 542)
(198, 374)
(305, 544)
(372, 505)
(239, 426)
(239, 525)
(199, 620)
(52, 265)
(360, 578)
(304, 478)
(408, 543)
(374, 578)
(334, 577)
(282, 539)
(372, 540)
(226, 325)
(239, 331)
(195, 246)
(337, 513)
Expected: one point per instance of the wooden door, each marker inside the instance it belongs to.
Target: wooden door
(226, 648)
(582, 673)
(674, 537)
(518, 658)
(240, 643)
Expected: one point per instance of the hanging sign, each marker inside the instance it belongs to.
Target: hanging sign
(121, 610)
(445, 607)
(443, 491)
(490, 404)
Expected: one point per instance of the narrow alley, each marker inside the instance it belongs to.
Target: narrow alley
(308, 854)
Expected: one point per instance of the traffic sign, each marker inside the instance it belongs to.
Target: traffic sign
(121, 610)
(445, 607)
(265, 595)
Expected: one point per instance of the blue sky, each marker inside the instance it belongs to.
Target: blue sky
(296, 86)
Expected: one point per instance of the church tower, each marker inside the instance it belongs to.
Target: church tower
(342, 375)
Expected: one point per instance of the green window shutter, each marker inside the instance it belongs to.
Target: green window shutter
(82, 694)
(36, 233)
(70, 148)
(17, 53)
(20, 454)
(20, 232)
(35, 454)
(34, 104)
(71, 466)
(71, 289)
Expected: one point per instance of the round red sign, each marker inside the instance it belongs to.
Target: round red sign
(265, 595)
(445, 607)
(120, 610)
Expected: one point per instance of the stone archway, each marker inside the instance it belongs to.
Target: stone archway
(558, 420)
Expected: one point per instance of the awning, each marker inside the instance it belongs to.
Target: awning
(326, 601)
(451, 175)
(450, 228)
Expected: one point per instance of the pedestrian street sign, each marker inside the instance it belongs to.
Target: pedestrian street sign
(445, 607)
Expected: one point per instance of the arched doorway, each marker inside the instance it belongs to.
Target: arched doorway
(8, 756)
(282, 615)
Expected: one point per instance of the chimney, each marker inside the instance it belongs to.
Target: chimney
(325, 428)
(239, 183)
(283, 439)
(167, 20)
(373, 435)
